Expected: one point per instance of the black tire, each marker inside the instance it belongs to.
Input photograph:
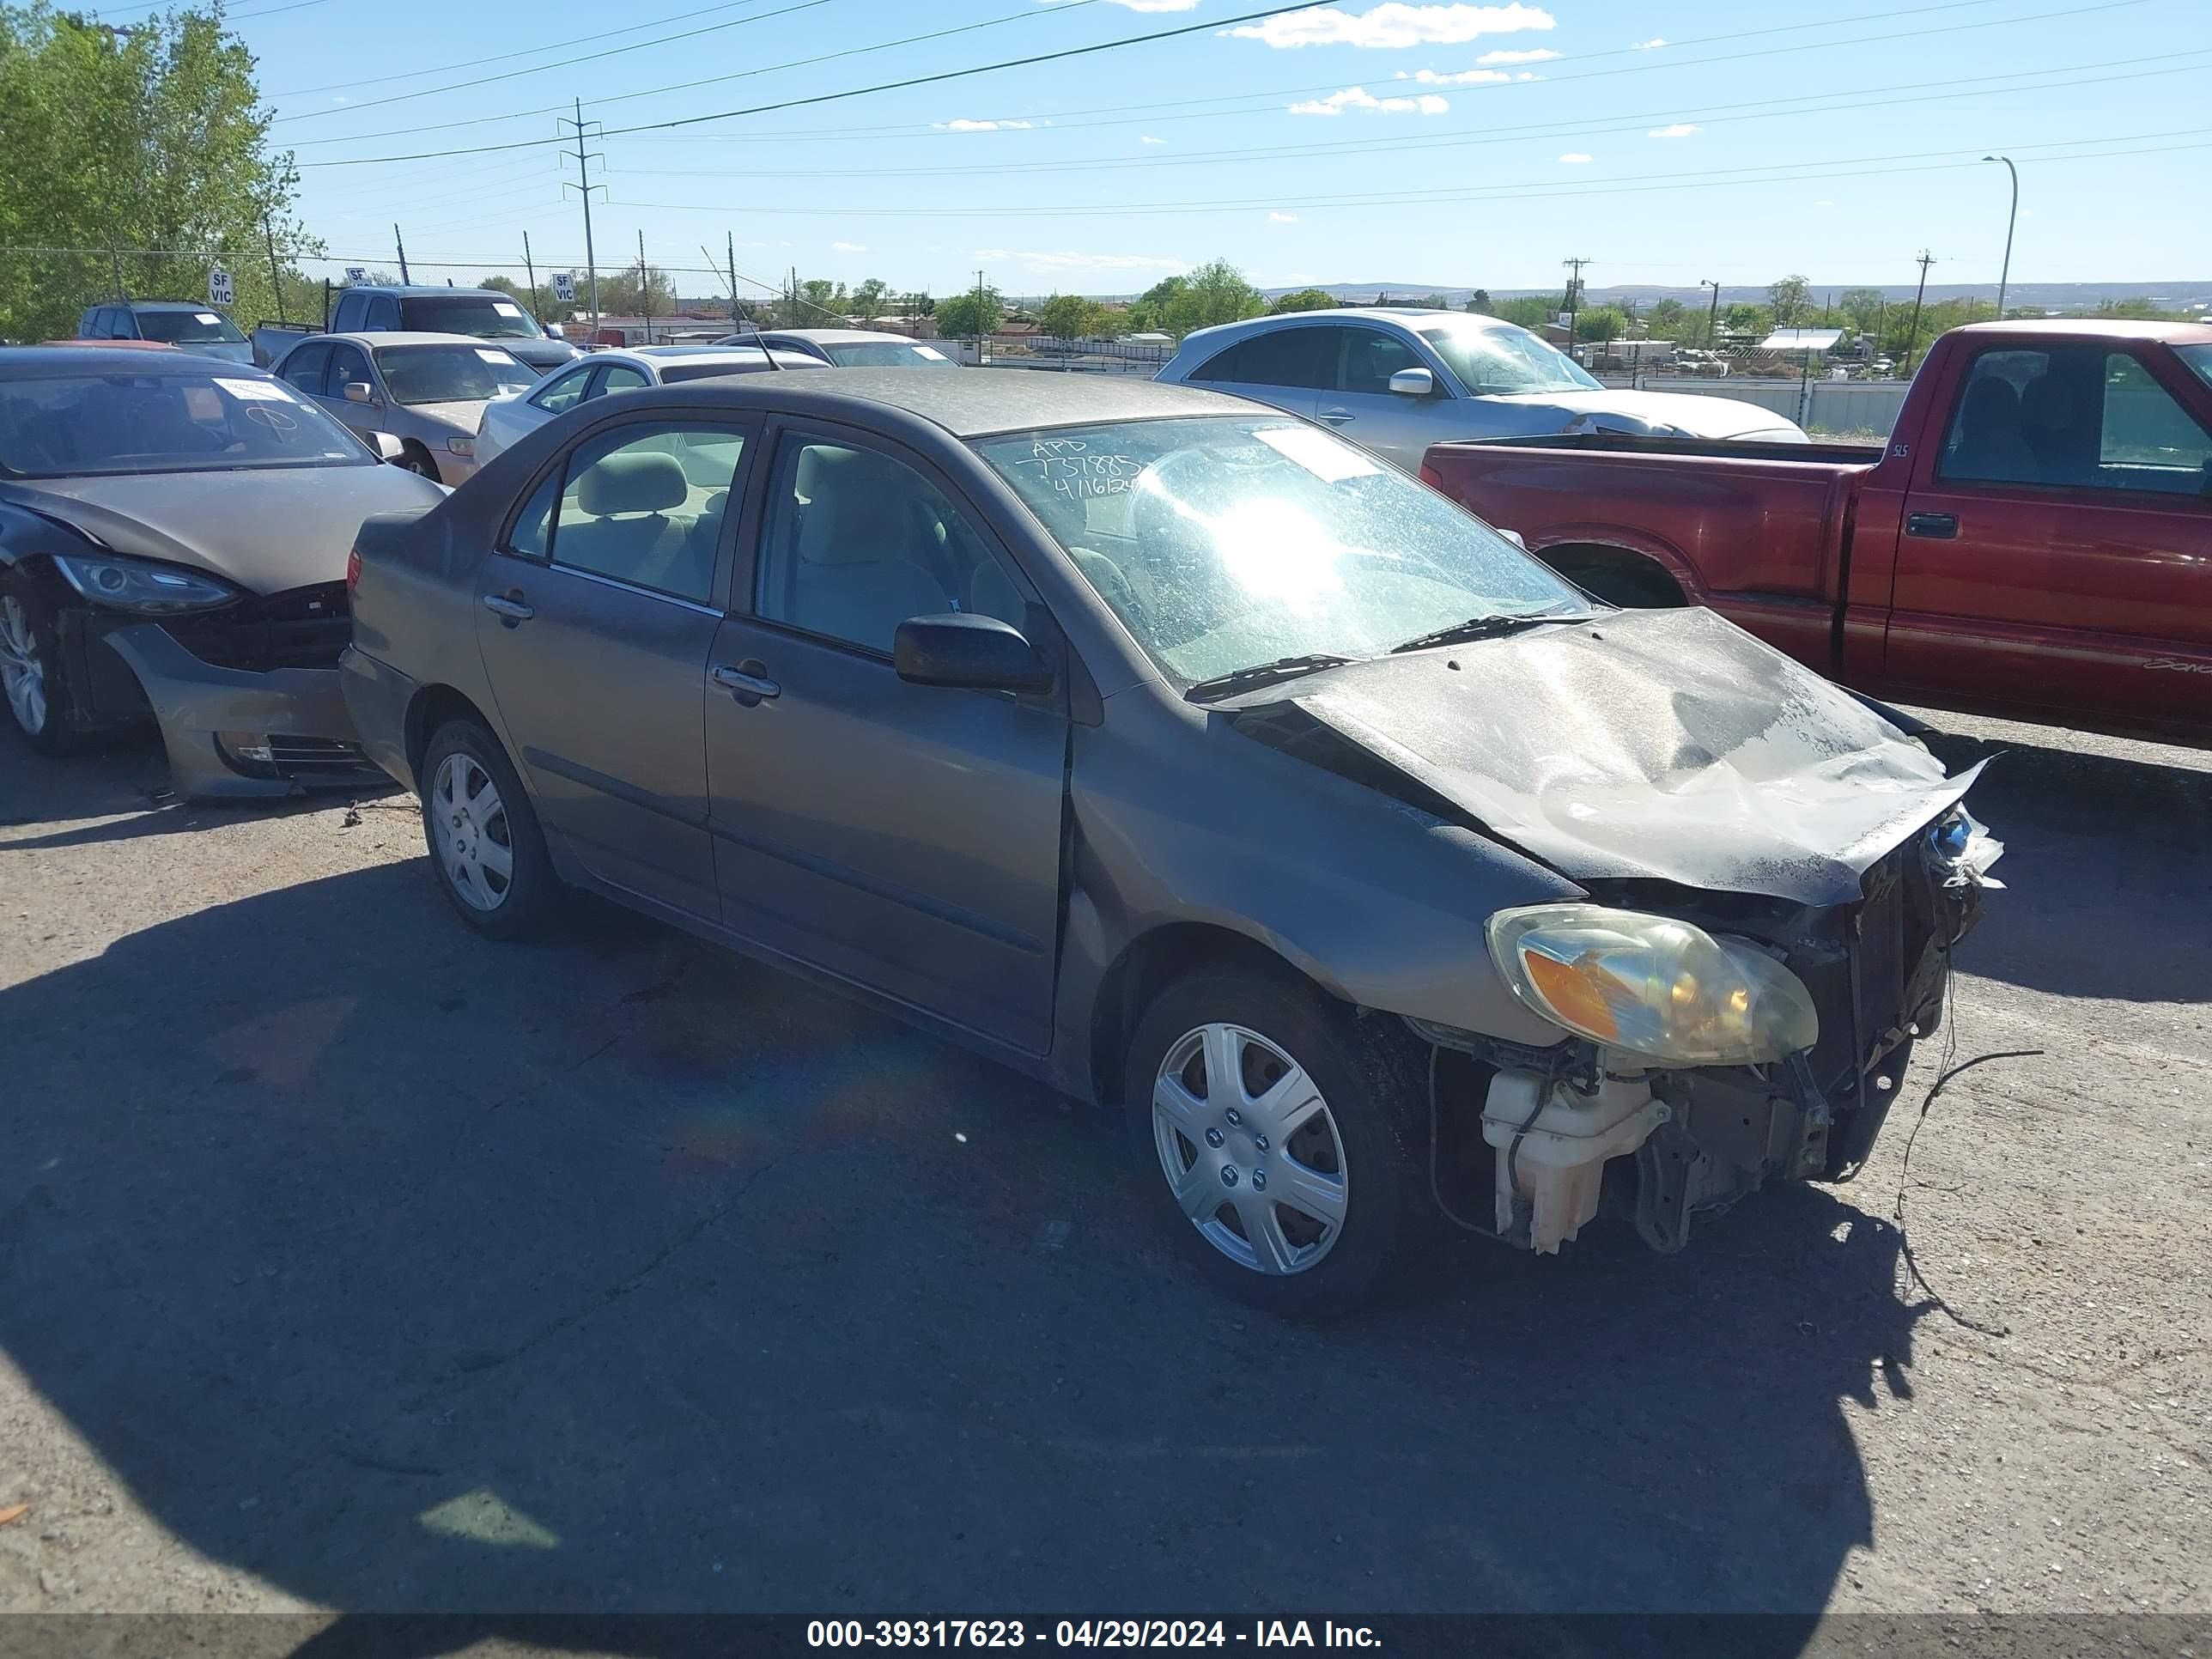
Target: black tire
(1632, 587)
(416, 459)
(52, 734)
(531, 889)
(1364, 1073)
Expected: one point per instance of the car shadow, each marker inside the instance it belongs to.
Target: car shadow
(2097, 850)
(118, 790)
(614, 1274)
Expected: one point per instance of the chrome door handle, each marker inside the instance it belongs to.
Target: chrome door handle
(506, 608)
(1336, 417)
(748, 689)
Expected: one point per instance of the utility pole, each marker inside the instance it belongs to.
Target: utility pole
(530, 270)
(401, 245)
(1713, 317)
(585, 186)
(730, 247)
(1912, 339)
(979, 320)
(115, 257)
(276, 282)
(644, 288)
(1574, 297)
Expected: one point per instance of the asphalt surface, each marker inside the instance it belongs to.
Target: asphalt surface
(349, 1263)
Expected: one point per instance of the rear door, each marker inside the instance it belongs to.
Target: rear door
(904, 837)
(1288, 367)
(1361, 405)
(2055, 547)
(596, 613)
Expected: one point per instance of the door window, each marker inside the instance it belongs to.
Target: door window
(563, 391)
(383, 314)
(644, 504)
(1372, 358)
(2076, 416)
(1301, 357)
(347, 315)
(619, 377)
(855, 543)
(304, 367)
(349, 363)
(103, 324)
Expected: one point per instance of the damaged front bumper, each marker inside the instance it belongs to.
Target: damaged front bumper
(1700, 1139)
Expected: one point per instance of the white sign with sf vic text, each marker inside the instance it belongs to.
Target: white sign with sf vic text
(564, 285)
(220, 290)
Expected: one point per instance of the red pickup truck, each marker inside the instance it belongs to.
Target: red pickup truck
(2034, 541)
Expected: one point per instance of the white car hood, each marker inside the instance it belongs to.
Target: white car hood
(1665, 414)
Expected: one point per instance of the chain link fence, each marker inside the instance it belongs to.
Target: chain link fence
(44, 292)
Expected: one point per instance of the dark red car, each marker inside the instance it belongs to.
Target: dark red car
(2034, 541)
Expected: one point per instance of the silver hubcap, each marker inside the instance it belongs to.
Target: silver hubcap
(1249, 1149)
(474, 841)
(22, 674)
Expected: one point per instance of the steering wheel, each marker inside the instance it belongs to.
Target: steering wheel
(271, 416)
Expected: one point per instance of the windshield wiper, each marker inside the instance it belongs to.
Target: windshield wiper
(1480, 627)
(1283, 668)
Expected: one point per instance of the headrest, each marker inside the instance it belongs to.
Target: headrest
(857, 507)
(632, 483)
(1990, 400)
(2047, 404)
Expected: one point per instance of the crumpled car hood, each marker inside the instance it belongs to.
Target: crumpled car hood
(266, 529)
(1666, 744)
(1666, 413)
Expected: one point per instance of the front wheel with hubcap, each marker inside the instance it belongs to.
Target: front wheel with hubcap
(31, 669)
(482, 833)
(1280, 1136)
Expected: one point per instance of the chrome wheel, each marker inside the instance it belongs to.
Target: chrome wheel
(22, 670)
(475, 841)
(1249, 1149)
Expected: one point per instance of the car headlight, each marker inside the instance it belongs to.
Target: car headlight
(1653, 986)
(462, 445)
(141, 585)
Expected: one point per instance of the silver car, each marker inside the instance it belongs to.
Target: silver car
(506, 420)
(429, 390)
(1397, 381)
(174, 539)
(850, 347)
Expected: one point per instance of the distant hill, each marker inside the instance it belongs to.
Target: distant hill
(2173, 294)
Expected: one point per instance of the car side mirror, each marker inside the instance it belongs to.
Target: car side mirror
(980, 653)
(387, 447)
(1413, 383)
(360, 392)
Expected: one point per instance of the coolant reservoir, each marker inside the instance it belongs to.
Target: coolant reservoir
(1559, 1163)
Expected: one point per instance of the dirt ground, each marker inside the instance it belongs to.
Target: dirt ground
(349, 1263)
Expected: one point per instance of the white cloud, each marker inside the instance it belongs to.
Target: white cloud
(1475, 77)
(1652, 44)
(1538, 55)
(1062, 261)
(964, 124)
(1360, 99)
(1680, 129)
(849, 247)
(1282, 218)
(1526, 75)
(1574, 158)
(1149, 139)
(1395, 25)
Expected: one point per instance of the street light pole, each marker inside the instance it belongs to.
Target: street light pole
(2004, 276)
(1713, 319)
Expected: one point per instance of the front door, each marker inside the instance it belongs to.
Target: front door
(905, 837)
(595, 616)
(1362, 406)
(2055, 551)
(349, 365)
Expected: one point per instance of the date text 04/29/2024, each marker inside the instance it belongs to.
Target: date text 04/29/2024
(1085, 1633)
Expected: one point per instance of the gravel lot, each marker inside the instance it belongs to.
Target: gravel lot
(348, 1263)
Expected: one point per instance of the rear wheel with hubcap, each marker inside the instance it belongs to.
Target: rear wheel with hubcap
(1278, 1134)
(30, 668)
(482, 833)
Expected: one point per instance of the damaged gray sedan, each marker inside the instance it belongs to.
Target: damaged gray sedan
(174, 535)
(1182, 755)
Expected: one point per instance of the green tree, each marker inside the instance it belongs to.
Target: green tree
(1435, 302)
(1790, 298)
(538, 303)
(870, 298)
(968, 315)
(1862, 308)
(917, 304)
(1478, 301)
(1601, 322)
(1531, 311)
(1149, 311)
(1306, 299)
(1072, 317)
(1215, 293)
(623, 295)
(152, 140)
(1670, 319)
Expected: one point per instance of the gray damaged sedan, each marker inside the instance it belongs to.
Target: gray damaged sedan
(1178, 753)
(174, 535)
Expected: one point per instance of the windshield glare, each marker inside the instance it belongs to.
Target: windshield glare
(1224, 542)
(2198, 357)
(74, 424)
(1499, 359)
(486, 316)
(189, 327)
(451, 374)
(888, 354)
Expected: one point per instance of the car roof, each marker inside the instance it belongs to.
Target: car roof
(972, 405)
(400, 336)
(415, 290)
(2107, 328)
(22, 362)
(840, 336)
(645, 356)
(1400, 314)
(681, 352)
(156, 305)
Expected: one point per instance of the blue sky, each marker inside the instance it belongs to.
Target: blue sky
(1447, 143)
